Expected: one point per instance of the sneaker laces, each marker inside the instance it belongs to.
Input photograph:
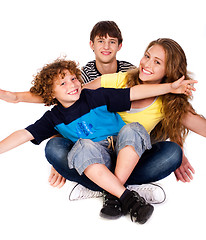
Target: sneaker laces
(134, 210)
(134, 203)
(80, 192)
(153, 193)
(147, 192)
(111, 201)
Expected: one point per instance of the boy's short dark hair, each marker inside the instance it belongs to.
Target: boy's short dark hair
(44, 80)
(103, 28)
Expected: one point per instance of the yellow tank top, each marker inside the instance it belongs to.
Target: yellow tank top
(148, 116)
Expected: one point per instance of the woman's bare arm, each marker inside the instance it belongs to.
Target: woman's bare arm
(195, 123)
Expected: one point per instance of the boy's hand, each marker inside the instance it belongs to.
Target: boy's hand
(182, 86)
(8, 96)
(55, 179)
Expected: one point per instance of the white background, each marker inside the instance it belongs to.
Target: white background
(34, 33)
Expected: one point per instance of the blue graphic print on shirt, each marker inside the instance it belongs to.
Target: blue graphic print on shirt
(84, 129)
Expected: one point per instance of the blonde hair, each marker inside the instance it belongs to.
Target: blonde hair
(174, 107)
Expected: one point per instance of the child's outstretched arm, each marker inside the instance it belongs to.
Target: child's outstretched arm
(180, 86)
(15, 139)
(15, 97)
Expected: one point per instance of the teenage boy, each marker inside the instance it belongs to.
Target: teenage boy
(105, 41)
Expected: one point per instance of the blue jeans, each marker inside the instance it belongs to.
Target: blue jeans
(155, 164)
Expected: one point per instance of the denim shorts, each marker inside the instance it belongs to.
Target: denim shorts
(86, 152)
(133, 134)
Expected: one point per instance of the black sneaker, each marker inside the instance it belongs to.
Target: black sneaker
(111, 207)
(140, 211)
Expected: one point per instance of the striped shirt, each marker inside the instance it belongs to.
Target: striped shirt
(90, 71)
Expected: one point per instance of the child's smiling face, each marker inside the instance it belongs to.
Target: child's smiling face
(67, 90)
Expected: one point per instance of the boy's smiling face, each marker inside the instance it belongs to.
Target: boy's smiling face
(67, 90)
(105, 48)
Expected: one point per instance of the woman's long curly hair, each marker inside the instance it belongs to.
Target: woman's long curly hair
(44, 80)
(174, 106)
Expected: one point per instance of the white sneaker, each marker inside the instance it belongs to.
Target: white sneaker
(80, 192)
(152, 193)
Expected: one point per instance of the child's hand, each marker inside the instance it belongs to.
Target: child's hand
(55, 179)
(8, 96)
(182, 86)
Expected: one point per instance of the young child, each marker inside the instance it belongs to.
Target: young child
(105, 41)
(88, 118)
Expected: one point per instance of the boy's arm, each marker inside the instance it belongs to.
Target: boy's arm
(15, 139)
(15, 97)
(180, 86)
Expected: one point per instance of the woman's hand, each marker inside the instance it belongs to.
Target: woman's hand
(182, 86)
(55, 179)
(185, 171)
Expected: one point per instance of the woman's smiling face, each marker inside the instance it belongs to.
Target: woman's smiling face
(153, 65)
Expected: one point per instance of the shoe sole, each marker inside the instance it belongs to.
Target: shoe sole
(103, 215)
(144, 217)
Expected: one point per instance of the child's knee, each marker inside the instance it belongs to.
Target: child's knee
(85, 153)
(132, 129)
(135, 135)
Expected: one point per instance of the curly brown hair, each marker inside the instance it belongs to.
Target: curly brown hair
(174, 106)
(44, 79)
